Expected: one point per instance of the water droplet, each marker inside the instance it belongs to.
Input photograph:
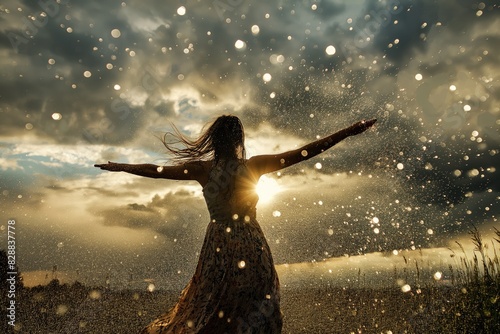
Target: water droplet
(255, 29)
(181, 10)
(400, 166)
(418, 77)
(438, 275)
(95, 294)
(330, 50)
(116, 33)
(453, 88)
(151, 287)
(61, 309)
(406, 288)
(318, 165)
(56, 116)
(240, 45)
(241, 264)
(266, 77)
(87, 74)
(473, 172)
(51, 61)
(276, 213)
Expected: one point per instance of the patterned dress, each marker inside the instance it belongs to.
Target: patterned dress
(235, 288)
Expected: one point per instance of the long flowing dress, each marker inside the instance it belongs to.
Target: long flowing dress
(235, 287)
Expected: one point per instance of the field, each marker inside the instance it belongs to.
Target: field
(470, 303)
(78, 309)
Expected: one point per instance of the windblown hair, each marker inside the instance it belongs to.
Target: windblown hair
(218, 141)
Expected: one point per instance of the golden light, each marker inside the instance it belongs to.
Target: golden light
(266, 188)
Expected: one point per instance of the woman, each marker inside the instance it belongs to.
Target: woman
(235, 288)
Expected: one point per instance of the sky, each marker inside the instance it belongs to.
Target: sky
(84, 82)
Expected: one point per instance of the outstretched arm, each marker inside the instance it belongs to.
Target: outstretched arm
(263, 164)
(188, 171)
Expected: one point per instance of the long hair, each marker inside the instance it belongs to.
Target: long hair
(218, 141)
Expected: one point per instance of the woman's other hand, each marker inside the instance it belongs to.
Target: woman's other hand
(110, 166)
(361, 126)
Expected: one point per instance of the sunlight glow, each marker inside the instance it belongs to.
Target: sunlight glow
(267, 188)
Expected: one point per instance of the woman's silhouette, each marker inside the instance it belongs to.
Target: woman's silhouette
(235, 288)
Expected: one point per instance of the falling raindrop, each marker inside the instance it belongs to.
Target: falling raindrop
(330, 50)
(61, 309)
(181, 10)
(255, 30)
(116, 33)
(240, 45)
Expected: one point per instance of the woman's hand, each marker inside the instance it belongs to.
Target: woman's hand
(111, 166)
(360, 127)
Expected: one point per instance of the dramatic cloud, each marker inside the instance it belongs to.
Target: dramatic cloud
(87, 82)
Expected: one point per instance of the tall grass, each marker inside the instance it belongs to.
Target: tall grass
(477, 308)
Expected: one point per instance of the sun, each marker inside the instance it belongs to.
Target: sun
(267, 188)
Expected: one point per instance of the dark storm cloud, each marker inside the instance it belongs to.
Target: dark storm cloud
(409, 32)
(35, 88)
(421, 124)
(176, 215)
